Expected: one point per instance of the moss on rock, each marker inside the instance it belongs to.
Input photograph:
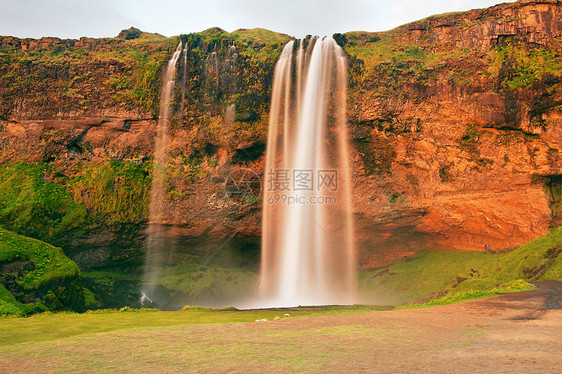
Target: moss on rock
(36, 276)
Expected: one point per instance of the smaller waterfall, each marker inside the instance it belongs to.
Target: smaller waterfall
(183, 81)
(155, 251)
(211, 76)
(229, 71)
(221, 74)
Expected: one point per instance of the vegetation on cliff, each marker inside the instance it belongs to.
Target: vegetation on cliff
(82, 76)
(32, 205)
(45, 202)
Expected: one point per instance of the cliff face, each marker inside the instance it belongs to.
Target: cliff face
(530, 21)
(456, 125)
(457, 122)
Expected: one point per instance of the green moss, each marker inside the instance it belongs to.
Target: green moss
(397, 199)
(113, 192)
(554, 189)
(37, 201)
(106, 274)
(377, 154)
(10, 306)
(122, 72)
(469, 141)
(518, 66)
(445, 173)
(54, 281)
(50, 262)
(90, 300)
(31, 204)
(387, 47)
(444, 274)
(196, 281)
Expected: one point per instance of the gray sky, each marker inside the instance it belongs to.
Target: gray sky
(105, 18)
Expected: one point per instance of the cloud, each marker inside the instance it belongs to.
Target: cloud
(294, 17)
(75, 18)
(62, 18)
(300, 18)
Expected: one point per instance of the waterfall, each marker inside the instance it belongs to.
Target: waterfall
(155, 252)
(230, 70)
(212, 72)
(230, 85)
(308, 255)
(183, 81)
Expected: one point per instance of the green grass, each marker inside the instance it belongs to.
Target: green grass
(201, 341)
(261, 35)
(424, 277)
(14, 331)
(461, 275)
(196, 281)
(514, 286)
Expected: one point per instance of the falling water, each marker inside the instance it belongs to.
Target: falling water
(183, 81)
(211, 76)
(230, 70)
(307, 244)
(154, 245)
(230, 85)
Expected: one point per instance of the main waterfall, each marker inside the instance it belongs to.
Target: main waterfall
(308, 255)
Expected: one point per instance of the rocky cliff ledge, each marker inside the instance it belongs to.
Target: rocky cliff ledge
(456, 123)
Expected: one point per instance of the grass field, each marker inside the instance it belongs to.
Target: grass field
(475, 336)
(50, 327)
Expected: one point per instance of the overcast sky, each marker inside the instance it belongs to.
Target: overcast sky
(105, 18)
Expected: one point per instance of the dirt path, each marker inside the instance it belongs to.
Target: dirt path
(513, 333)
